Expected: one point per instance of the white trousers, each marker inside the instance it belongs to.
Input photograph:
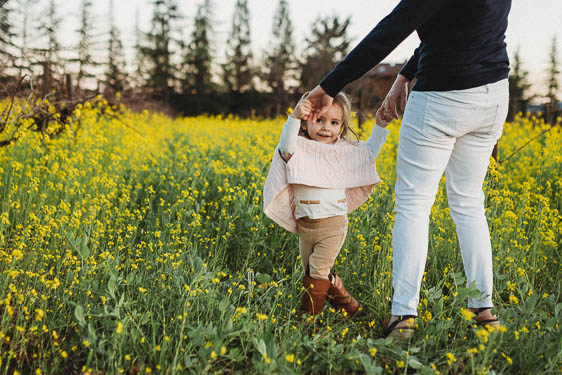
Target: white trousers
(455, 132)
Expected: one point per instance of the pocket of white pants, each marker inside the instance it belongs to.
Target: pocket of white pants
(447, 118)
(496, 128)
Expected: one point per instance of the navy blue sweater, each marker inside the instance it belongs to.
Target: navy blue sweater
(462, 45)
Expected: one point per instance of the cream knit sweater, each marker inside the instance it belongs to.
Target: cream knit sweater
(343, 165)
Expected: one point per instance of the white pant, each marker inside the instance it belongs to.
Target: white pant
(455, 132)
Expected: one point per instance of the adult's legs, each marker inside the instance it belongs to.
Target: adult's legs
(434, 124)
(465, 175)
(422, 158)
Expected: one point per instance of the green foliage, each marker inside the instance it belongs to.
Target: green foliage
(518, 87)
(158, 51)
(145, 249)
(115, 75)
(280, 61)
(199, 58)
(238, 71)
(327, 45)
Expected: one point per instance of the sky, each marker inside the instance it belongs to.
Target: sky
(532, 25)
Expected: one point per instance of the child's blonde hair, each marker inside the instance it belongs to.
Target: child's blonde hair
(344, 101)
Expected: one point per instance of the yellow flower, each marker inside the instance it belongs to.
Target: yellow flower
(261, 316)
(467, 314)
(290, 358)
(450, 358)
(483, 334)
(373, 351)
(142, 290)
(513, 300)
(119, 328)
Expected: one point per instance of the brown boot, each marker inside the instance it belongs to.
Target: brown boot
(314, 295)
(340, 298)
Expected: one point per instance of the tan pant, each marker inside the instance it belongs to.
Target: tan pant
(320, 241)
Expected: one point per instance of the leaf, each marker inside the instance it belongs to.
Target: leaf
(260, 346)
(79, 314)
(84, 251)
(263, 278)
(369, 366)
(197, 264)
(223, 305)
(557, 309)
(111, 286)
(414, 363)
(436, 294)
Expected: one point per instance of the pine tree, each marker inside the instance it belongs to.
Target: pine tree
(553, 73)
(327, 45)
(518, 87)
(139, 77)
(23, 17)
(280, 62)
(198, 58)
(6, 39)
(238, 72)
(158, 52)
(85, 59)
(115, 74)
(50, 28)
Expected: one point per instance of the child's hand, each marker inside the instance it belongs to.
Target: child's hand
(383, 117)
(303, 108)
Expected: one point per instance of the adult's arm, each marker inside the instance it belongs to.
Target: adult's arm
(383, 39)
(410, 69)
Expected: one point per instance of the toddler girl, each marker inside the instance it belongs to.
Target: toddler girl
(317, 176)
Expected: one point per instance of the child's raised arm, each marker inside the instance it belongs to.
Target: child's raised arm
(379, 133)
(288, 141)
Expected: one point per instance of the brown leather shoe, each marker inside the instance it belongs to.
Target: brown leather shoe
(340, 298)
(314, 295)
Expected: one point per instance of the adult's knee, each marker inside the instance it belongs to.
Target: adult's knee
(466, 208)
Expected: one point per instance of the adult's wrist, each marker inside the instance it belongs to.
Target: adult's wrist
(400, 78)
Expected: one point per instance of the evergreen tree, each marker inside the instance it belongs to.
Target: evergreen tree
(280, 61)
(6, 36)
(85, 59)
(518, 87)
(327, 45)
(238, 72)
(199, 59)
(553, 73)
(139, 77)
(49, 28)
(23, 33)
(115, 74)
(158, 52)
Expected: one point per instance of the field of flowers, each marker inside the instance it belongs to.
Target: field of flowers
(134, 243)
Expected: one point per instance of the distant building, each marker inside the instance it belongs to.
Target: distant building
(543, 108)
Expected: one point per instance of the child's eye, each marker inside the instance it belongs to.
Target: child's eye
(319, 120)
(335, 123)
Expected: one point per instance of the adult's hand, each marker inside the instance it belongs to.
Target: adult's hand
(397, 93)
(321, 102)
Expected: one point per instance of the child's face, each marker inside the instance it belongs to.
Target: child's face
(327, 128)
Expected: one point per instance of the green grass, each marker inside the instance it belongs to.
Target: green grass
(152, 254)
